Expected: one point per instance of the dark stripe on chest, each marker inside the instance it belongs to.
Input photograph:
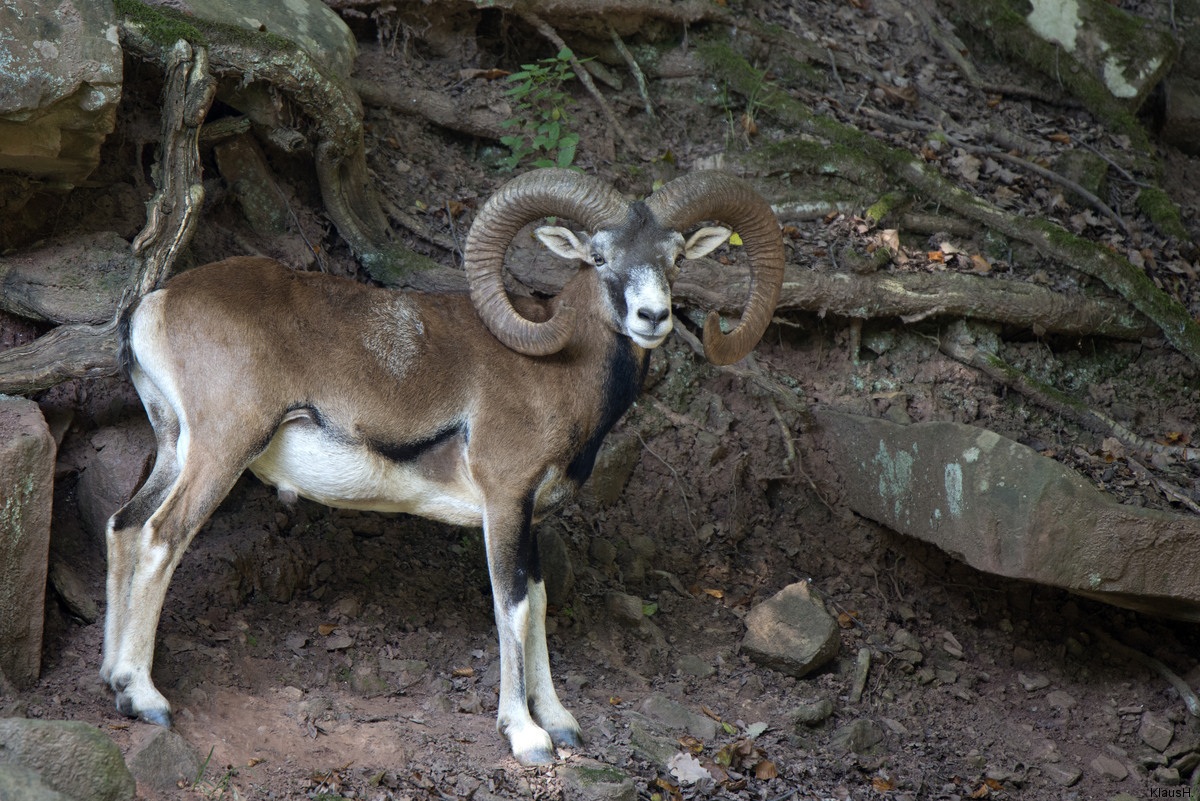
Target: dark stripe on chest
(623, 382)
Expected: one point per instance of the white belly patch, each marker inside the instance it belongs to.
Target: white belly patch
(303, 458)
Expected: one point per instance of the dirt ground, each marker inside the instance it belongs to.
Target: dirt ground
(323, 654)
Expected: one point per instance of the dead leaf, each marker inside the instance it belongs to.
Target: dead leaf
(483, 75)
(882, 785)
(993, 784)
(691, 744)
(615, 700)
(718, 594)
(1061, 138)
(982, 792)
(463, 673)
(325, 629)
(936, 256)
(687, 769)
(766, 770)
(979, 264)
(749, 126)
(710, 713)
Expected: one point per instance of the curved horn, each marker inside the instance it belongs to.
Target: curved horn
(711, 195)
(541, 193)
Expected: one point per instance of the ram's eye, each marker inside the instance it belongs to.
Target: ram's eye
(597, 259)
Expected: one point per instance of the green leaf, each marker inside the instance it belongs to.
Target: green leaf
(565, 54)
(650, 608)
(543, 163)
(729, 728)
(517, 76)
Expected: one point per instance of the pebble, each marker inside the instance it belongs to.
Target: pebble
(1061, 774)
(814, 713)
(1109, 768)
(692, 665)
(1061, 700)
(1033, 683)
(1167, 776)
(1156, 731)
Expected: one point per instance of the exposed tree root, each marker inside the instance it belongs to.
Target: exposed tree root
(959, 346)
(1090, 258)
(435, 107)
(89, 351)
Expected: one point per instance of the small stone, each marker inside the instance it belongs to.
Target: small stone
(677, 716)
(905, 640)
(590, 780)
(1061, 774)
(1156, 731)
(650, 747)
(1109, 768)
(1165, 775)
(1060, 700)
(161, 758)
(814, 713)
(791, 632)
(623, 607)
(469, 703)
(1033, 683)
(692, 665)
(859, 737)
(577, 681)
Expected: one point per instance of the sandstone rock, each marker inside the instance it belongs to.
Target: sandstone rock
(26, 493)
(791, 632)
(124, 456)
(859, 737)
(614, 465)
(161, 758)
(1003, 508)
(677, 716)
(74, 758)
(70, 588)
(623, 607)
(813, 713)
(590, 780)
(59, 87)
(19, 783)
(1062, 774)
(557, 570)
(1109, 767)
(1156, 731)
(1127, 55)
(309, 23)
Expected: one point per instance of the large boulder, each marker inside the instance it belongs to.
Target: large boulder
(1003, 508)
(26, 493)
(60, 82)
(73, 757)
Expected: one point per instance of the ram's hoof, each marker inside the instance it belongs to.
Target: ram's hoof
(566, 738)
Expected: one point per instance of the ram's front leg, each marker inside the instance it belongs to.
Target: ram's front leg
(513, 566)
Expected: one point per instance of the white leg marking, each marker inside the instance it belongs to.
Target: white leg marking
(547, 710)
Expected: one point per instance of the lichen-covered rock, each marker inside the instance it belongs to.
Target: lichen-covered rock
(161, 758)
(73, 757)
(791, 632)
(26, 493)
(1002, 507)
(60, 81)
(309, 23)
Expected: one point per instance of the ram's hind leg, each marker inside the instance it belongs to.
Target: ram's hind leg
(153, 552)
(125, 526)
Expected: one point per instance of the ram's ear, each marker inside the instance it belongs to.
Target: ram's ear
(705, 241)
(564, 242)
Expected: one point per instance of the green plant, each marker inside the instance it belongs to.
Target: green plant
(541, 109)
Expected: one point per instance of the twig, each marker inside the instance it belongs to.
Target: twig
(1124, 172)
(636, 69)
(836, 77)
(545, 30)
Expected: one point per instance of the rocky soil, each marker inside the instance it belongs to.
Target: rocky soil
(312, 653)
